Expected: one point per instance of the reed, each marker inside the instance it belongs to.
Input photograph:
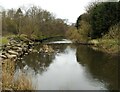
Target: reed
(22, 82)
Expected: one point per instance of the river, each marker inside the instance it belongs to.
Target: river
(71, 67)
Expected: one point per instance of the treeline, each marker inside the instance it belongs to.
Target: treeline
(33, 22)
(101, 20)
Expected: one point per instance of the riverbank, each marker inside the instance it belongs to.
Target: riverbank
(110, 46)
(12, 50)
(16, 47)
(10, 81)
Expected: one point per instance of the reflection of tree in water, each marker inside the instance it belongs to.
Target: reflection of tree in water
(101, 66)
(40, 61)
(59, 48)
(36, 61)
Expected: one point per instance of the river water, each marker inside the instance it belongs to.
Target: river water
(71, 67)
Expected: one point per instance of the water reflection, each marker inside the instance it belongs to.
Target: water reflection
(71, 68)
(60, 42)
(65, 73)
(101, 66)
(36, 61)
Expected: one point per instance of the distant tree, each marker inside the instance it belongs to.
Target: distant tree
(18, 19)
(33, 22)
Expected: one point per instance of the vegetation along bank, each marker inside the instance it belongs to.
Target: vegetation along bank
(100, 25)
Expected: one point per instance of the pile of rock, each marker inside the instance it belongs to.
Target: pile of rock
(14, 50)
(46, 49)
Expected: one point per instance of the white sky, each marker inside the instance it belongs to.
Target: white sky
(65, 9)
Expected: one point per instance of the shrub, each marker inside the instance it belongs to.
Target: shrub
(103, 16)
(114, 32)
(84, 31)
(73, 34)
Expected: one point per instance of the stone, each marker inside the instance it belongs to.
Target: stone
(51, 49)
(26, 53)
(30, 50)
(12, 52)
(3, 56)
(25, 49)
(46, 51)
(31, 43)
(19, 49)
(41, 50)
(11, 56)
(14, 48)
(8, 47)
(19, 45)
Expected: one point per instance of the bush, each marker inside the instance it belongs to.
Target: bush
(102, 16)
(114, 32)
(84, 31)
(73, 34)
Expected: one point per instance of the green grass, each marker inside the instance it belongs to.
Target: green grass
(4, 40)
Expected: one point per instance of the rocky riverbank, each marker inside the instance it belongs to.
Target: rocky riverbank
(16, 49)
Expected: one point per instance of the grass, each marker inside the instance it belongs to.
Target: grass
(4, 40)
(23, 83)
(107, 45)
(8, 80)
(110, 45)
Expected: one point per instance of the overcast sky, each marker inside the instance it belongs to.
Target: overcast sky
(65, 9)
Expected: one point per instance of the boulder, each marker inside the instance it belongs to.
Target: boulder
(46, 49)
(31, 43)
(18, 45)
(11, 56)
(15, 48)
(12, 52)
(30, 50)
(51, 49)
(25, 49)
(3, 56)
(41, 50)
(19, 49)
(26, 53)
(8, 47)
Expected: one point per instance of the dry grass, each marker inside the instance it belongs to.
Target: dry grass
(0, 75)
(7, 74)
(107, 45)
(23, 83)
(8, 81)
